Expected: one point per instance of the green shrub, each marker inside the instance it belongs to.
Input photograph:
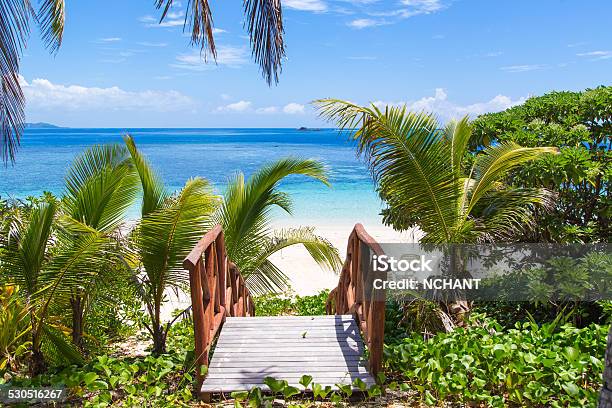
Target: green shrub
(528, 365)
(283, 304)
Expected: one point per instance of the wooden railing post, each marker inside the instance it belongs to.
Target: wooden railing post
(217, 290)
(355, 294)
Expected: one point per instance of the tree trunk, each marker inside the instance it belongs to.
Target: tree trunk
(605, 398)
(76, 302)
(159, 340)
(459, 307)
(37, 360)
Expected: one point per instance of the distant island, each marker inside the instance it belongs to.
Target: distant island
(40, 125)
(305, 129)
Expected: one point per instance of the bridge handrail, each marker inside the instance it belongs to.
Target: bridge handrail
(354, 295)
(217, 290)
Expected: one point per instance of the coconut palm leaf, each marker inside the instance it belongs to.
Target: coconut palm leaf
(264, 276)
(166, 236)
(245, 215)
(101, 185)
(26, 252)
(496, 162)
(264, 21)
(154, 192)
(51, 18)
(409, 160)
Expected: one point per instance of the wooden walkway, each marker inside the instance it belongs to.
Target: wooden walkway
(249, 349)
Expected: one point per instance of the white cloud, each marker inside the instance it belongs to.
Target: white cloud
(306, 5)
(110, 39)
(293, 108)
(218, 31)
(440, 105)
(596, 55)
(365, 23)
(523, 68)
(266, 110)
(153, 44)
(226, 55)
(43, 94)
(494, 54)
(240, 106)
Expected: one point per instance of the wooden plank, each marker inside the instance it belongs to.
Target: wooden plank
(245, 349)
(346, 317)
(295, 341)
(241, 363)
(290, 354)
(259, 378)
(230, 387)
(282, 371)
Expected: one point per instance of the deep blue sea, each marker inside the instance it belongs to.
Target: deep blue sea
(214, 154)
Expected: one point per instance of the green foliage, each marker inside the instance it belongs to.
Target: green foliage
(245, 215)
(283, 304)
(420, 174)
(14, 336)
(580, 123)
(536, 365)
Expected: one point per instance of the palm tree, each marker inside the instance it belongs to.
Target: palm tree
(246, 219)
(424, 175)
(421, 173)
(43, 257)
(170, 226)
(101, 185)
(264, 24)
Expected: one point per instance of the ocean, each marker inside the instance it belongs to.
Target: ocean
(215, 154)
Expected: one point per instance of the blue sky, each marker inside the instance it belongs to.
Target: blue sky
(119, 68)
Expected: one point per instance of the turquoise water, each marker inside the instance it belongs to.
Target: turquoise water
(214, 154)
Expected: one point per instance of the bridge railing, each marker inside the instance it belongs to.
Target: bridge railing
(217, 290)
(356, 295)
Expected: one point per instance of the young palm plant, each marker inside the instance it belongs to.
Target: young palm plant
(169, 227)
(423, 174)
(101, 185)
(42, 257)
(246, 219)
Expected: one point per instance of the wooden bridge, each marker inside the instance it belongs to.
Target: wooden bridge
(248, 349)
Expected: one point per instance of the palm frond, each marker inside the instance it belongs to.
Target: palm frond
(154, 192)
(51, 17)
(264, 21)
(268, 279)
(14, 31)
(505, 214)
(58, 348)
(198, 19)
(167, 235)
(100, 186)
(458, 134)
(245, 211)
(26, 252)
(496, 162)
(408, 157)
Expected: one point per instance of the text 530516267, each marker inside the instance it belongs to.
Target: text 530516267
(10, 394)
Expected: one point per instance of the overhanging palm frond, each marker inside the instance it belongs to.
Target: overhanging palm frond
(264, 21)
(458, 134)
(198, 18)
(268, 279)
(100, 186)
(154, 192)
(51, 17)
(14, 31)
(496, 162)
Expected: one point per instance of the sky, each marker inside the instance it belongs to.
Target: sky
(118, 67)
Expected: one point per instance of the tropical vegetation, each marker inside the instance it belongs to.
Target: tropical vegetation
(80, 284)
